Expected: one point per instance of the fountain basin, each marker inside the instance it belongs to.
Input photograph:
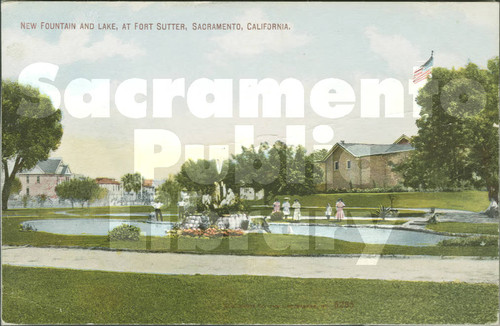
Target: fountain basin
(369, 235)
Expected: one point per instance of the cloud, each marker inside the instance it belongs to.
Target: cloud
(134, 6)
(252, 43)
(399, 53)
(449, 60)
(484, 14)
(481, 14)
(21, 49)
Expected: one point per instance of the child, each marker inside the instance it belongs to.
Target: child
(328, 212)
(276, 206)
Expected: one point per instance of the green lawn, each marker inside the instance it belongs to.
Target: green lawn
(52, 296)
(461, 227)
(466, 200)
(349, 212)
(375, 221)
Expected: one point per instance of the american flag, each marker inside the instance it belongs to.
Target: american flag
(424, 70)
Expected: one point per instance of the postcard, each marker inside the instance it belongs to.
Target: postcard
(250, 163)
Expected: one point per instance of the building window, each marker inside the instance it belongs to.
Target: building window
(348, 164)
(336, 165)
(27, 179)
(27, 191)
(38, 179)
(67, 178)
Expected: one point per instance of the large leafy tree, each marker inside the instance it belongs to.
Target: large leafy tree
(16, 186)
(200, 175)
(277, 169)
(80, 190)
(457, 141)
(31, 129)
(168, 192)
(258, 169)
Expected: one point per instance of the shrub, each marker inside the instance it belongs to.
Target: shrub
(276, 216)
(125, 232)
(382, 212)
(244, 224)
(26, 227)
(25, 199)
(481, 240)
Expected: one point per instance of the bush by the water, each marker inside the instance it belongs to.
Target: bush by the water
(276, 216)
(125, 232)
(481, 240)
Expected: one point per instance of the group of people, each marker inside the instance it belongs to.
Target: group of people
(339, 206)
(286, 208)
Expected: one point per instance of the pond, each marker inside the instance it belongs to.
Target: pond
(82, 226)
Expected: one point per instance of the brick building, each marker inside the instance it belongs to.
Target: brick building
(358, 165)
(114, 187)
(44, 178)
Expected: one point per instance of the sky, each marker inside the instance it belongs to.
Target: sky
(350, 42)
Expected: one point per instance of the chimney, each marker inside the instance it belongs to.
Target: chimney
(342, 142)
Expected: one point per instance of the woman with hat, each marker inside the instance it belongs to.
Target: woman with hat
(286, 208)
(296, 212)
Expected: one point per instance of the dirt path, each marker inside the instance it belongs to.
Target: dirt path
(420, 268)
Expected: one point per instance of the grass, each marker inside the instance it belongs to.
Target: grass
(347, 221)
(53, 296)
(465, 200)
(462, 227)
(250, 244)
(477, 240)
(92, 212)
(349, 212)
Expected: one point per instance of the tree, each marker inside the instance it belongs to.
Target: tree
(31, 129)
(79, 190)
(457, 141)
(66, 190)
(280, 169)
(15, 187)
(41, 199)
(319, 155)
(200, 175)
(132, 182)
(101, 193)
(168, 192)
(258, 169)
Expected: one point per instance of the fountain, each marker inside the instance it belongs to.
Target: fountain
(220, 209)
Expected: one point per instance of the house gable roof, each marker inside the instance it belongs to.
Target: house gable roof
(362, 150)
(403, 139)
(50, 166)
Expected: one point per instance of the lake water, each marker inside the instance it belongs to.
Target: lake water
(82, 226)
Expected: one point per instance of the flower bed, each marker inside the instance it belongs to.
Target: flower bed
(210, 233)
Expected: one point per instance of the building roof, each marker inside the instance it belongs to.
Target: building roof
(50, 166)
(361, 150)
(107, 181)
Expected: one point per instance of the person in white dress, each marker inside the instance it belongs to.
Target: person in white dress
(296, 212)
(286, 208)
